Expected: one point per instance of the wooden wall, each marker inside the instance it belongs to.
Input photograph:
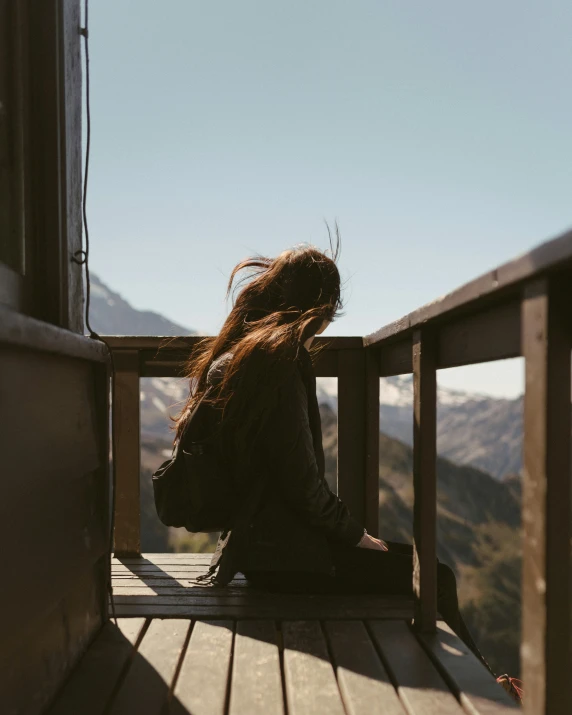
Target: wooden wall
(54, 510)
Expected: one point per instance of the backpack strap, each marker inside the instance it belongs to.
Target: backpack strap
(188, 422)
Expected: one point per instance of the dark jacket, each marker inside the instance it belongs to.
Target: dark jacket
(296, 517)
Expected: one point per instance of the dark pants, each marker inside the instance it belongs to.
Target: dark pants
(373, 572)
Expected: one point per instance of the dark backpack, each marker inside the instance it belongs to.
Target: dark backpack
(193, 489)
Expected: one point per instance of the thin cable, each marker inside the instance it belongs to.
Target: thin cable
(84, 260)
(85, 34)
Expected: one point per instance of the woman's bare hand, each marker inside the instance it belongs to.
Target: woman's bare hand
(370, 542)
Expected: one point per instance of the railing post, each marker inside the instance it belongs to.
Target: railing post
(352, 430)
(545, 649)
(424, 480)
(372, 441)
(126, 429)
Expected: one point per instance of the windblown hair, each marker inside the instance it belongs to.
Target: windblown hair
(283, 303)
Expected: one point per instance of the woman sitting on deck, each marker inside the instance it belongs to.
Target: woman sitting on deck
(296, 535)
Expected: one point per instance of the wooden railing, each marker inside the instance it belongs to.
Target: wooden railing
(523, 308)
(358, 422)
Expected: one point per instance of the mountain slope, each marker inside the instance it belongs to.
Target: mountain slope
(110, 314)
(483, 432)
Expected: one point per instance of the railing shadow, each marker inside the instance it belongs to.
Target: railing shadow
(181, 690)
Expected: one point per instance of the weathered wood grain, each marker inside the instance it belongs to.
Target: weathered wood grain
(352, 431)
(256, 686)
(265, 600)
(546, 648)
(72, 176)
(66, 553)
(159, 570)
(395, 358)
(470, 680)
(126, 426)
(363, 680)
(38, 655)
(371, 487)
(492, 334)
(25, 332)
(271, 610)
(162, 559)
(51, 515)
(166, 343)
(91, 684)
(201, 687)
(420, 687)
(309, 680)
(148, 683)
(424, 480)
(191, 591)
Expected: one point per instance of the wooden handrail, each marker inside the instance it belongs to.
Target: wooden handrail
(521, 309)
(493, 288)
(358, 422)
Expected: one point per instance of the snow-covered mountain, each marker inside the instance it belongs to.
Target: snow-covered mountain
(472, 429)
(477, 430)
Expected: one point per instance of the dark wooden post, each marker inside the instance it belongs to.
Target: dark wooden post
(546, 647)
(126, 427)
(372, 441)
(352, 430)
(102, 389)
(424, 481)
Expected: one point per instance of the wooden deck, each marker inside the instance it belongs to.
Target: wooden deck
(183, 648)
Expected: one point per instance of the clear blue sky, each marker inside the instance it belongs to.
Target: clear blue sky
(438, 134)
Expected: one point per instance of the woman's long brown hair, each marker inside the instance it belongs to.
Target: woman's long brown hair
(283, 303)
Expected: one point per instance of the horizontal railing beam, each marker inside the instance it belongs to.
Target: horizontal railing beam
(500, 285)
(493, 334)
(162, 357)
(184, 342)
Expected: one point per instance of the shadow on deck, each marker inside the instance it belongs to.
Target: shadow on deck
(180, 647)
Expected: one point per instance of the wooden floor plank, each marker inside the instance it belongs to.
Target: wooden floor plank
(146, 685)
(92, 682)
(477, 689)
(419, 685)
(256, 684)
(364, 682)
(201, 687)
(131, 628)
(310, 682)
(168, 579)
(138, 590)
(158, 568)
(224, 597)
(162, 558)
(272, 610)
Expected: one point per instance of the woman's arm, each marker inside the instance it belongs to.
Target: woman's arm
(289, 447)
